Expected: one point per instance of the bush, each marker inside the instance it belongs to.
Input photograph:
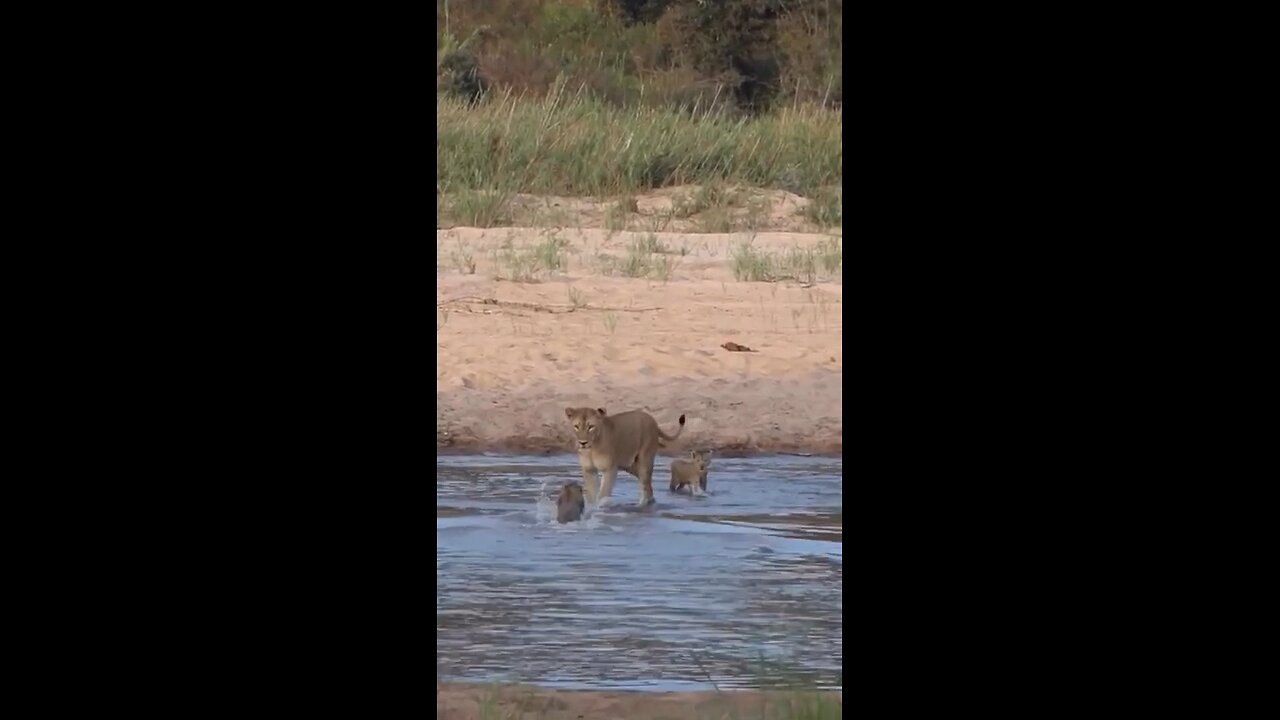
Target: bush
(735, 40)
(632, 12)
(721, 54)
(462, 79)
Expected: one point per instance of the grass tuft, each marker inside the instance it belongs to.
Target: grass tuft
(481, 208)
(751, 265)
(803, 264)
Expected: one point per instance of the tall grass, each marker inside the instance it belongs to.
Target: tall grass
(568, 143)
(826, 209)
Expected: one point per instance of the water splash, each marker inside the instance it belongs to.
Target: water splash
(546, 513)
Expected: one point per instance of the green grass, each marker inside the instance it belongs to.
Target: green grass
(808, 706)
(804, 264)
(575, 145)
(831, 255)
(572, 144)
(651, 244)
(787, 705)
(715, 220)
(662, 267)
(825, 209)
(532, 263)
(647, 257)
(463, 260)
(636, 263)
(479, 208)
(550, 253)
(618, 213)
(751, 265)
(707, 196)
(781, 694)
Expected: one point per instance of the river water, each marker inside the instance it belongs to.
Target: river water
(741, 588)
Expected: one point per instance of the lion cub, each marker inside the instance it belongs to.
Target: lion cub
(691, 472)
(569, 505)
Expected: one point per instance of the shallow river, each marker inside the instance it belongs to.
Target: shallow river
(740, 588)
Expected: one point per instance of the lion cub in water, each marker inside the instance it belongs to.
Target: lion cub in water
(691, 472)
(569, 504)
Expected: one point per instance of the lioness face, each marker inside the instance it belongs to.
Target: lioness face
(586, 425)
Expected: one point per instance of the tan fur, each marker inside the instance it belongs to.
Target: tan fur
(609, 443)
(691, 472)
(569, 505)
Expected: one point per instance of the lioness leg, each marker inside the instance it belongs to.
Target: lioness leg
(606, 486)
(645, 473)
(589, 483)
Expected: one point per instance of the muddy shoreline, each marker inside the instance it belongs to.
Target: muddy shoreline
(478, 700)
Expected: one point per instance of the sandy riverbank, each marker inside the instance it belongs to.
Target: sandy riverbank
(516, 345)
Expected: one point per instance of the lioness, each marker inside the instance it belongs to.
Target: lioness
(609, 443)
(691, 472)
(569, 504)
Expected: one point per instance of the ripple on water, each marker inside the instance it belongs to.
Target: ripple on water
(738, 589)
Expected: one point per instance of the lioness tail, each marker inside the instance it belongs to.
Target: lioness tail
(663, 436)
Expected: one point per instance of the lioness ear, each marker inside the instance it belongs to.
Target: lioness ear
(601, 411)
(568, 412)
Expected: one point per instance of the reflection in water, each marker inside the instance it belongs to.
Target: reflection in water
(738, 589)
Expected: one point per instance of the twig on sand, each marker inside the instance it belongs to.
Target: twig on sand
(474, 300)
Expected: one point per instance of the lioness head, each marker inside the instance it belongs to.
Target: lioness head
(586, 425)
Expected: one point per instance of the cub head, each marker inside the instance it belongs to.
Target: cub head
(586, 424)
(570, 504)
(570, 494)
(701, 459)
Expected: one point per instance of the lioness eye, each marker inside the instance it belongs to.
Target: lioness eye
(591, 427)
(576, 426)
